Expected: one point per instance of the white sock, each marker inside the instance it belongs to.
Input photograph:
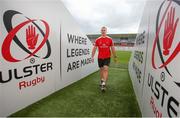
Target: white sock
(103, 82)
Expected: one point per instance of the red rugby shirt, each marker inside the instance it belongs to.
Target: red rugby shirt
(104, 44)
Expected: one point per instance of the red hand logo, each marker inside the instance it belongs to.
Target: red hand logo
(31, 37)
(169, 31)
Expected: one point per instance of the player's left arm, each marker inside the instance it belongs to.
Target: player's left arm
(113, 50)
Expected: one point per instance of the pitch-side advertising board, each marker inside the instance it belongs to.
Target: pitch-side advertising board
(42, 50)
(157, 87)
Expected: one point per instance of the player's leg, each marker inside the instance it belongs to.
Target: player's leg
(105, 76)
(106, 68)
(105, 72)
(100, 64)
(101, 75)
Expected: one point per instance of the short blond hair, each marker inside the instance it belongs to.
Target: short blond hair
(103, 27)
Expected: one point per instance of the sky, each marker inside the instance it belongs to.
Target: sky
(119, 16)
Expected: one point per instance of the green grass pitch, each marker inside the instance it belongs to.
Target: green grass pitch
(84, 98)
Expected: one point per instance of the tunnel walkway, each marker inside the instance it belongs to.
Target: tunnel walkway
(84, 97)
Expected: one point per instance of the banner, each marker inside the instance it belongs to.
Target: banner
(75, 52)
(160, 97)
(138, 58)
(41, 45)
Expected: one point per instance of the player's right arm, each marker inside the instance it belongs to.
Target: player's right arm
(93, 52)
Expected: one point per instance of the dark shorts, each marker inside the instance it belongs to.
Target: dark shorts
(104, 62)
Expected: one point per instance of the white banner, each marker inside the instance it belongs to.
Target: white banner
(162, 78)
(76, 51)
(34, 57)
(161, 81)
(138, 58)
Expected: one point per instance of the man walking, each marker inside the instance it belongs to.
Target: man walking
(104, 45)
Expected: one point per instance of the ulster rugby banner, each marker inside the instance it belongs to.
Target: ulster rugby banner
(41, 51)
(160, 96)
(137, 63)
(75, 52)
